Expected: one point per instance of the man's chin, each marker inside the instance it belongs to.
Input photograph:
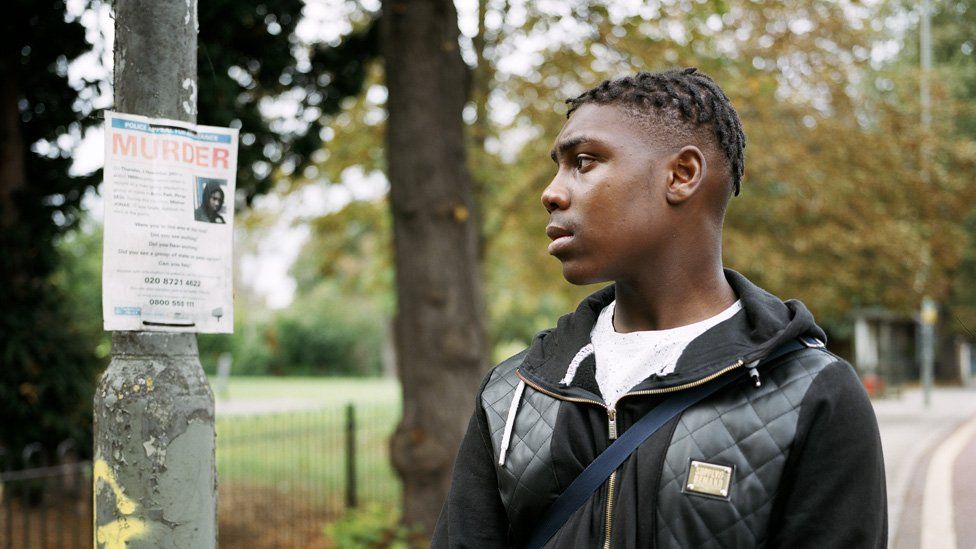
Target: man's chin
(578, 276)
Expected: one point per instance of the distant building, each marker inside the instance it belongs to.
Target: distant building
(885, 346)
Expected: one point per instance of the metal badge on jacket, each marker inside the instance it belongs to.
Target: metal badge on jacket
(709, 479)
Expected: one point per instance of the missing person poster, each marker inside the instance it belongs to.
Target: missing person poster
(169, 218)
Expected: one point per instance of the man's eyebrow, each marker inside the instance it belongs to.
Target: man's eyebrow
(566, 145)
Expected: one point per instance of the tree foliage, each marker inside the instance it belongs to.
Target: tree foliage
(835, 210)
(47, 369)
(954, 62)
(352, 253)
(323, 334)
(251, 62)
(251, 57)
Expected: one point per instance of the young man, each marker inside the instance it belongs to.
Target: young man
(787, 454)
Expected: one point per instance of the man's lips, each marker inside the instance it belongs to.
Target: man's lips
(561, 237)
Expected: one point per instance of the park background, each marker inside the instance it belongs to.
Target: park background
(852, 201)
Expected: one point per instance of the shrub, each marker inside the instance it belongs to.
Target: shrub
(374, 527)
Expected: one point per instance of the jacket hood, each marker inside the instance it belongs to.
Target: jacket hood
(764, 323)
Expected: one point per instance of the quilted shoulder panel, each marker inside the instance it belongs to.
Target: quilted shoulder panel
(527, 480)
(751, 429)
(497, 395)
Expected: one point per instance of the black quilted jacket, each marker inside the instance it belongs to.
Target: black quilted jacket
(799, 456)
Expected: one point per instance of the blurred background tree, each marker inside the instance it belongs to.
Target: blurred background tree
(52, 349)
(834, 210)
(954, 60)
(250, 56)
(47, 366)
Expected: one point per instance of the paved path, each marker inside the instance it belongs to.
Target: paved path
(924, 467)
(265, 406)
(965, 496)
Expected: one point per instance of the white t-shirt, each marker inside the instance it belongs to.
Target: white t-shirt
(624, 360)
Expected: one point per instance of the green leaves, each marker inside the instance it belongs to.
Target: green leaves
(834, 209)
(251, 58)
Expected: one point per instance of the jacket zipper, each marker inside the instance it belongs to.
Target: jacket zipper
(611, 484)
(612, 422)
(612, 412)
(689, 385)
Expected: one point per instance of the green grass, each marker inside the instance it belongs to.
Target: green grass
(329, 390)
(304, 452)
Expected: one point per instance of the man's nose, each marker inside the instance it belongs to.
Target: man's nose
(555, 196)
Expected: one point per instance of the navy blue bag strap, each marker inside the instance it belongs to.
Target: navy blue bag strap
(597, 472)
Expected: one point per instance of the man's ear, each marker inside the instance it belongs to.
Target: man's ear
(686, 174)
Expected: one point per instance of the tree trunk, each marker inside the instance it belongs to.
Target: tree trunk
(439, 328)
(12, 173)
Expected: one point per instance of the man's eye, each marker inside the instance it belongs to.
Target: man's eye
(582, 161)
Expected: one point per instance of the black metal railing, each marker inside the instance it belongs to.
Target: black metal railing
(281, 478)
(45, 498)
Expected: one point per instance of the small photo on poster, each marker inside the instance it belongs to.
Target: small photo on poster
(209, 198)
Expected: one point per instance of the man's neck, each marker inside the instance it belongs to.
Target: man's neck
(669, 298)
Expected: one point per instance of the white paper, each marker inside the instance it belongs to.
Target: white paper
(168, 248)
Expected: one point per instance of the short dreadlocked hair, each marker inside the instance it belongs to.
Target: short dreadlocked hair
(679, 95)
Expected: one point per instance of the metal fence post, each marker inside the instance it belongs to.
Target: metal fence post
(6, 496)
(67, 457)
(27, 490)
(351, 496)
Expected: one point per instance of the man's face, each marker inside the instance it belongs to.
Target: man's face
(216, 201)
(608, 211)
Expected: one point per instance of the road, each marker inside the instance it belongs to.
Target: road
(929, 453)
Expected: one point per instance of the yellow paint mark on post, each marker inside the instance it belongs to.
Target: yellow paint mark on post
(101, 471)
(116, 534)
